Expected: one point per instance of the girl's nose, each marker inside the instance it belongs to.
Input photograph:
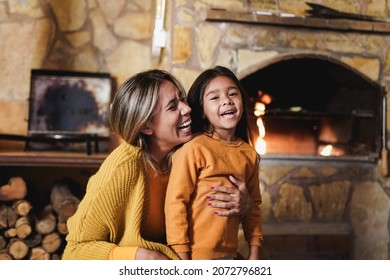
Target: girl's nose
(227, 101)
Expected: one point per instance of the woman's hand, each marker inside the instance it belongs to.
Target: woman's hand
(237, 201)
(146, 254)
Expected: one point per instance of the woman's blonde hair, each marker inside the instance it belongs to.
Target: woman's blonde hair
(134, 105)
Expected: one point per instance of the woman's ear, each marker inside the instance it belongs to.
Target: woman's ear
(147, 130)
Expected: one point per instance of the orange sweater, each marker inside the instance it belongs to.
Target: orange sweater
(191, 225)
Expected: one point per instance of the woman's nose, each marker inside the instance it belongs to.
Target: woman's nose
(185, 109)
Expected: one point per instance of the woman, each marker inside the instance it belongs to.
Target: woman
(122, 213)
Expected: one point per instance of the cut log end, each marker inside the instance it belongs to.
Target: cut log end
(17, 248)
(15, 189)
(38, 253)
(22, 207)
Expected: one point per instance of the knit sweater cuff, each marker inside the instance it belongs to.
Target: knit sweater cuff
(122, 253)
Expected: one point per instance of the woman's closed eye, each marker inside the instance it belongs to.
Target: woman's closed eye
(172, 105)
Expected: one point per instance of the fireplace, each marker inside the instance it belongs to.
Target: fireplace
(314, 106)
(317, 91)
(320, 129)
(311, 114)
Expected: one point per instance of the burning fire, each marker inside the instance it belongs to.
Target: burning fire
(326, 148)
(260, 144)
(330, 150)
(259, 110)
(326, 151)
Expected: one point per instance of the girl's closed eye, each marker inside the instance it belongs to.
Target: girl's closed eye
(213, 97)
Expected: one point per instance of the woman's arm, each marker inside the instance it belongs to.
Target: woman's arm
(235, 201)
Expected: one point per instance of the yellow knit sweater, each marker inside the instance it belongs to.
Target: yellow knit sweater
(107, 224)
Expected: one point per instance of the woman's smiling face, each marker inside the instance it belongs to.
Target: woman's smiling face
(171, 125)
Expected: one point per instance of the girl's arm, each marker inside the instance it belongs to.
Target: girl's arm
(254, 253)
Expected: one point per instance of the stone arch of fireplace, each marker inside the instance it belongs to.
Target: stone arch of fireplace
(314, 105)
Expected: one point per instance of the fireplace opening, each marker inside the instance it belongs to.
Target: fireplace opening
(314, 105)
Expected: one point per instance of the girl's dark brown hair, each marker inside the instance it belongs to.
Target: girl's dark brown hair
(195, 100)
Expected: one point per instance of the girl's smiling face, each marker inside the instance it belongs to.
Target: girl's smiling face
(223, 106)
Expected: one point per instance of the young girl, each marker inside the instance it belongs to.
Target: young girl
(215, 156)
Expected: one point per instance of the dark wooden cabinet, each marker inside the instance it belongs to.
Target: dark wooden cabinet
(43, 169)
(50, 159)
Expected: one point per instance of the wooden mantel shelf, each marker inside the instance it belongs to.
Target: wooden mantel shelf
(50, 159)
(257, 18)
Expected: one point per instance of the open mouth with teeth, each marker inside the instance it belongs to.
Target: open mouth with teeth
(228, 113)
(185, 125)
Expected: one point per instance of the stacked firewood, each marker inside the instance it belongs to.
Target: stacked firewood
(25, 234)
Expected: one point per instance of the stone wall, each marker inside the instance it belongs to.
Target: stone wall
(115, 37)
(81, 35)
(328, 197)
(307, 197)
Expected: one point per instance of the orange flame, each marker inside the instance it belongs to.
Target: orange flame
(326, 151)
(260, 144)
